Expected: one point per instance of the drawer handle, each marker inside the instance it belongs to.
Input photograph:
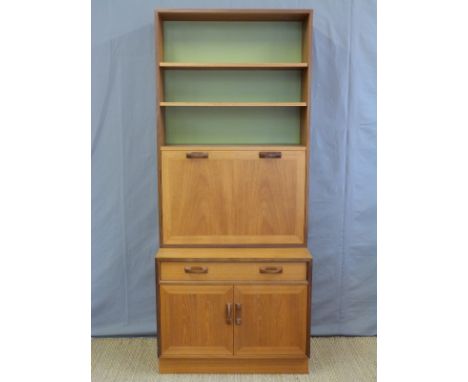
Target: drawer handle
(238, 314)
(196, 269)
(269, 154)
(196, 155)
(229, 314)
(271, 269)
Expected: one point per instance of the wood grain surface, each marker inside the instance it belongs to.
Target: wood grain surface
(273, 322)
(233, 197)
(225, 271)
(193, 320)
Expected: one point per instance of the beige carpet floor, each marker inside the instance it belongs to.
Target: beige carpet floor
(333, 359)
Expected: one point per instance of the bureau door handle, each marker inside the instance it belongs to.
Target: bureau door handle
(196, 269)
(269, 154)
(229, 314)
(238, 314)
(196, 155)
(271, 269)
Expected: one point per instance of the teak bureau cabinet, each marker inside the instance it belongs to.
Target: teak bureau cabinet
(233, 274)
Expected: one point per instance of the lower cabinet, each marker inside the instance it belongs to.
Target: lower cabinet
(233, 310)
(233, 320)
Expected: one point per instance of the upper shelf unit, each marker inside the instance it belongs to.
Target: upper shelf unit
(233, 77)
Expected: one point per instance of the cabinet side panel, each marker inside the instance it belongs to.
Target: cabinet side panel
(160, 112)
(307, 43)
(158, 305)
(309, 305)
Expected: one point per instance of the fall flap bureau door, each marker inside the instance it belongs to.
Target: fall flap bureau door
(233, 197)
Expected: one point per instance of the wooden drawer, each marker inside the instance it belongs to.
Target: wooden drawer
(211, 271)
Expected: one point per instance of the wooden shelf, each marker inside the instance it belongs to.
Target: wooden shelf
(233, 147)
(234, 15)
(234, 104)
(234, 254)
(262, 65)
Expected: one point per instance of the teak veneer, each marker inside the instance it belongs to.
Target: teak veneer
(218, 303)
(233, 104)
(198, 65)
(233, 197)
(234, 254)
(233, 274)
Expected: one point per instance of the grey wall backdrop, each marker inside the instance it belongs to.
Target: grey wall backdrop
(342, 211)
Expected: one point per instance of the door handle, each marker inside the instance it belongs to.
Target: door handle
(196, 269)
(269, 154)
(238, 314)
(271, 269)
(229, 314)
(196, 155)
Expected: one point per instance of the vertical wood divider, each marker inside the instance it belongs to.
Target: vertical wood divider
(160, 136)
(305, 117)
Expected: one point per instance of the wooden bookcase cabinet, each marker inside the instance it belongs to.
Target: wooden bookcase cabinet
(233, 110)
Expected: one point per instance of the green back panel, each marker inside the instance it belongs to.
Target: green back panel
(232, 125)
(233, 85)
(233, 41)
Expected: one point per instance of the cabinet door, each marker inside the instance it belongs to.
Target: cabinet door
(270, 320)
(233, 197)
(195, 320)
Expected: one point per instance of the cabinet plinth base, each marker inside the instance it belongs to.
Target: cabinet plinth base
(234, 365)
